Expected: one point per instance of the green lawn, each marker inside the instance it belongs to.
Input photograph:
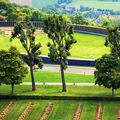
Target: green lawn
(87, 46)
(62, 110)
(49, 90)
(45, 76)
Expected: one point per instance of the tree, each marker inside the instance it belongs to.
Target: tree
(105, 21)
(62, 38)
(78, 19)
(27, 11)
(5, 8)
(108, 72)
(12, 67)
(37, 16)
(113, 40)
(17, 15)
(25, 32)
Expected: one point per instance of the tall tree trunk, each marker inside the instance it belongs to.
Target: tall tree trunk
(113, 92)
(12, 92)
(63, 80)
(32, 78)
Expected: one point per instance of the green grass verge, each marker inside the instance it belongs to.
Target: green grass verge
(62, 110)
(45, 76)
(83, 91)
(87, 46)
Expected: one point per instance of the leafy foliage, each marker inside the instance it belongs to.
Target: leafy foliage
(25, 32)
(79, 19)
(37, 16)
(12, 68)
(61, 34)
(113, 40)
(108, 72)
(15, 12)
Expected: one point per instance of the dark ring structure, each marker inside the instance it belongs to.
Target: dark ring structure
(77, 28)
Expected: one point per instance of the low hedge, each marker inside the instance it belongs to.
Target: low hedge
(26, 97)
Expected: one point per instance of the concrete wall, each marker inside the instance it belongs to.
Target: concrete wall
(71, 61)
(77, 28)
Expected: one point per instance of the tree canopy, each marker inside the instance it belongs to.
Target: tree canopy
(113, 40)
(14, 12)
(61, 34)
(25, 32)
(12, 67)
(108, 72)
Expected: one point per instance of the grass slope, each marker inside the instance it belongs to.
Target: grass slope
(63, 110)
(87, 46)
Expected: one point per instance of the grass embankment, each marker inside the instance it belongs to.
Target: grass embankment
(62, 110)
(81, 91)
(45, 76)
(87, 46)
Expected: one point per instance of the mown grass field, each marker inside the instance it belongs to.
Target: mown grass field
(87, 46)
(62, 110)
(55, 90)
(46, 76)
(96, 4)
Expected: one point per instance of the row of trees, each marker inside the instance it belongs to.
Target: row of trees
(61, 34)
(107, 68)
